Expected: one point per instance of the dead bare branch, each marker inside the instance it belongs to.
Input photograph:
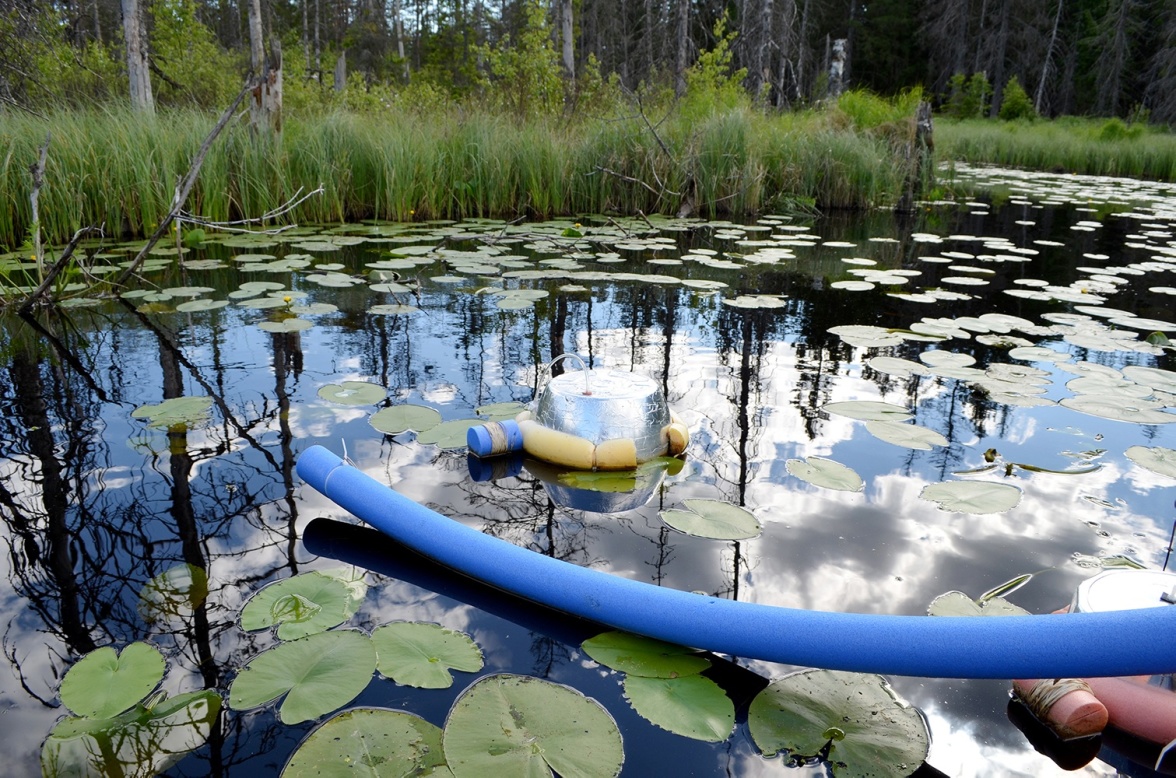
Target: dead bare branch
(54, 271)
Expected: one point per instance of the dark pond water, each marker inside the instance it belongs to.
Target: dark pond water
(95, 503)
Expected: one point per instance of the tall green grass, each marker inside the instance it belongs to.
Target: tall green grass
(1085, 146)
(119, 169)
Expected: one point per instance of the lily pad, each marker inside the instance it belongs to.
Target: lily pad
(826, 473)
(369, 743)
(694, 706)
(174, 412)
(642, 656)
(421, 655)
(402, 418)
(353, 393)
(142, 742)
(516, 725)
(292, 324)
(317, 674)
(868, 410)
(713, 519)
(1156, 459)
(867, 728)
(448, 434)
(500, 411)
(105, 683)
(972, 496)
(173, 594)
(960, 604)
(906, 435)
(303, 604)
(1117, 408)
(194, 306)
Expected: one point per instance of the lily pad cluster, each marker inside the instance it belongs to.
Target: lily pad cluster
(120, 724)
(854, 722)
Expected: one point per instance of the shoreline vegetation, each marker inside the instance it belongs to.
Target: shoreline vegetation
(705, 156)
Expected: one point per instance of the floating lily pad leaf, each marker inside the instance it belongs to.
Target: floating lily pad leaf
(852, 286)
(515, 725)
(695, 706)
(642, 656)
(868, 410)
(448, 434)
(317, 674)
(866, 336)
(1109, 406)
(188, 291)
(369, 743)
(353, 393)
(500, 411)
(755, 301)
(313, 309)
(421, 655)
(868, 729)
(942, 358)
(142, 742)
(391, 287)
(402, 418)
(393, 310)
(960, 604)
(905, 435)
(302, 605)
(1160, 380)
(173, 594)
(713, 519)
(896, 366)
(194, 306)
(286, 325)
(173, 412)
(826, 473)
(1156, 459)
(972, 496)
(105, 683)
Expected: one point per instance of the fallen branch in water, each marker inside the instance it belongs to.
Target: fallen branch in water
(54, 271)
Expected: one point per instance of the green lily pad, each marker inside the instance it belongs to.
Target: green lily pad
(142, 742)
(867, 728)
(194, 306)
(500, 411)
(520, 726)
(642, 656)
(906, 435)
(713, 519)
(1118, 408)
(402, 418)
(694, 706)
(826, 473)
(421, 655)
(448, 434)
(292, 324)
(393, 309)
(896, 366)
(369, 743)
(868, 410)
(972, 496)
(173, 594)
(960, 604)
(353, 393)
(1156, 459)
(105, 683)
(303, 604)
(317, 674)
(174, 412)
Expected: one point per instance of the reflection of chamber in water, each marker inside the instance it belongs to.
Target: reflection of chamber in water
(613, 492)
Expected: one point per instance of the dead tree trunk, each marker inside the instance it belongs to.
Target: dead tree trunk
(265, 108)
(920, 169)
(138, 70)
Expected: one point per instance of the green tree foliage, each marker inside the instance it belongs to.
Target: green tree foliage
(1015, 104)
(713, 84)
(525, 71)
(199, 72)
(968, 96)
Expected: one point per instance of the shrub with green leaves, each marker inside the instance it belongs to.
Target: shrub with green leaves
(1015, 103)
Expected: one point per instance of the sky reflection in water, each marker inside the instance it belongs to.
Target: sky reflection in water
(99, 503)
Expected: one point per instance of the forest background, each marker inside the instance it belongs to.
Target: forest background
(401, 109)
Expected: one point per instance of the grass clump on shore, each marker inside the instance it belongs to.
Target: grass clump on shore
(117, 168)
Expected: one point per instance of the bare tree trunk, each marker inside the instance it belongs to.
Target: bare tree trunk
(137, 67)
(837, 69)
(998, 59)
(265, 108)
(763, 53)
(680, 63)
(803, 52)
(1049, 51)
(341, 71)
(566, 31)
(398, 28)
